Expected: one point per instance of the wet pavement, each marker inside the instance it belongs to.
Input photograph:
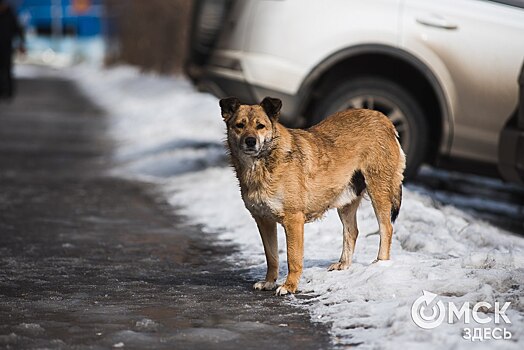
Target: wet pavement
(92, 261)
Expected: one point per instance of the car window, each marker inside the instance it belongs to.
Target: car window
(516, 3)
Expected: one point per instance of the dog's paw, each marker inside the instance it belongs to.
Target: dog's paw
(285, 289)
(338, 266)
(380, 262)
(282, 290)
(265, 285)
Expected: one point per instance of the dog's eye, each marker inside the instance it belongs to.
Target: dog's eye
(260, 126)
(239, 125)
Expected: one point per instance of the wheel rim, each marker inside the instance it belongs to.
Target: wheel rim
(389, 108)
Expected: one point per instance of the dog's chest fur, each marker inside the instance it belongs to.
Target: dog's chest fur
(262, 204)
(264, 197)
(260, 196)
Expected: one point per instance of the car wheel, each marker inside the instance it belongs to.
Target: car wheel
(392, 100)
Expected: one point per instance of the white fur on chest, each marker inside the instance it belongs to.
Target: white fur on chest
(257, 200)
(263, 204)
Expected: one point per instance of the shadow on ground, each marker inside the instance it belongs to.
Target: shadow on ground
(492, 200)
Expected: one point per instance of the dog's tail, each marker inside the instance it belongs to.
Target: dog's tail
(396, 201)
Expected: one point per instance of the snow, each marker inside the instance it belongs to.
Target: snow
(169, 133)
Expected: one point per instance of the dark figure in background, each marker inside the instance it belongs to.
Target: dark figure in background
(9, 30)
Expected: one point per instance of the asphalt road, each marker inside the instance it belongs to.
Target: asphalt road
(92, 261)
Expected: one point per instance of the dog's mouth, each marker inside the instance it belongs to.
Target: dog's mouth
(250, 151)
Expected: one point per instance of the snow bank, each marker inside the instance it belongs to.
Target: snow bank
(443, 251)
(168, 131)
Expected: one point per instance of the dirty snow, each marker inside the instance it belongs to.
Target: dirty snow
(171, 134)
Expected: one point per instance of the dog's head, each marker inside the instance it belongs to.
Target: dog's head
(250, 128)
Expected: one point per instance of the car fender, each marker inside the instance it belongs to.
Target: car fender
(305, 91)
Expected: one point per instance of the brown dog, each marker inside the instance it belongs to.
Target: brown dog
(293, 176)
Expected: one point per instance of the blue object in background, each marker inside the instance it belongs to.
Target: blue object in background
(86, 22)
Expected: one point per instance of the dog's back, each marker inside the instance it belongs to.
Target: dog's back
(361, 133)
(345, 152)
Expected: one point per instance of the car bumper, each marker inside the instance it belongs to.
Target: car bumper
(223, 82)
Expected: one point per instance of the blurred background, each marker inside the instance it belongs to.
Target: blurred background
(450, 108)
(149, 34)
(440, 72)
(448, 83)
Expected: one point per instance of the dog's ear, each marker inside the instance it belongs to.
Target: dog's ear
(229, 106)
(271, 107)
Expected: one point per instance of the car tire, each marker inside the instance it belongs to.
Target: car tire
(392, 100)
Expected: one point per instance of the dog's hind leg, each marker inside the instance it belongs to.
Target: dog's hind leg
(348, 216)
(294, 227)
(379, 192)
(268, 232)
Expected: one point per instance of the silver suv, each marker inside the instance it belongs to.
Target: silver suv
(445, 72)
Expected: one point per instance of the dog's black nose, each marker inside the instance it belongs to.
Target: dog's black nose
(251, 141)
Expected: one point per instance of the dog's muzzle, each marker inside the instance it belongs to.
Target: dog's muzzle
(249, 146)
(250, 142)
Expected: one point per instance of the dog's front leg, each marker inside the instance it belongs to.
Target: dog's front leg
(294, 227)
(268, 232)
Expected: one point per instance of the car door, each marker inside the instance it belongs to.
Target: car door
(476, 48)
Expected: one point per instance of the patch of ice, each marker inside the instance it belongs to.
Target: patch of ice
(146, 325)
(30, 328)
(211, 335)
